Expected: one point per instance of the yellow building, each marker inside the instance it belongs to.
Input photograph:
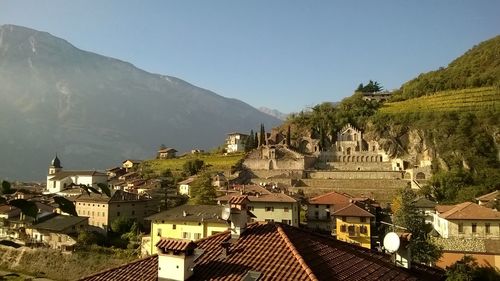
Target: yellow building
(191, 222)
(353, 225)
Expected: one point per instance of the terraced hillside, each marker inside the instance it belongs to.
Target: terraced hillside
(467, 100)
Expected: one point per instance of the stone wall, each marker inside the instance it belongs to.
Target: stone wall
(355, 175)
(350, 166)
(280, 164)
(267, 174)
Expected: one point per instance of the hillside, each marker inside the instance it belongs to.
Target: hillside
(467, 100)
(96, 111)
(478, 67)
(457, 129)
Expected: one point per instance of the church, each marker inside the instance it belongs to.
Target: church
(59, 179)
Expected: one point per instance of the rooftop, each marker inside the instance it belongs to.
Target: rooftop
(352, 210)
(117, 196)
(423, 202)
(490, 196)
(257, 193)
(59, 223)
(64, 174)
(190, 213)
(331, 198)
(279, 252)
(468, 211)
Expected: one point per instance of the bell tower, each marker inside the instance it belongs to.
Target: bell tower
(55, 166)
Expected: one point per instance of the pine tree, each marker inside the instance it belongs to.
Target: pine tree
(262, 137)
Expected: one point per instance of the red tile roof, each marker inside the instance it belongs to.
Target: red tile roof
(256, 193)
(332, 198)
(175, 245)
(238, 199)
(352, 210)
(490, 196)
(470, 211)
(279, 252)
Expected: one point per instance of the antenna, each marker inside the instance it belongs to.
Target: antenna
(391, 242)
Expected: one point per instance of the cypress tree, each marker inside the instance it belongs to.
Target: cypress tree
(262, 139)
(288, 137)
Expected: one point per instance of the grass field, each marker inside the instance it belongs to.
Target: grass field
(214, 162)
(460, 100)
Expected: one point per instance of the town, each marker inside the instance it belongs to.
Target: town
(338, 201)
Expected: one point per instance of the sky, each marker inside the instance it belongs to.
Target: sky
(285, 55)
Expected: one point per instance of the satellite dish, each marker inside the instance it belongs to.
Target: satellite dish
(225, 213)
(391, 242)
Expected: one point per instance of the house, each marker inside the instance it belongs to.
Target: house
(270, 251)
(466, 220)
(320, 208)
(235, 142)
(425, 207)
(58, 232)
(219, 180)
(14, 223)
(266, 205)
(353, 225)
(191, 222)
(467, 229)
(131, 164)
(490, 200)
(166, 153)
(115, 172)
(185, 186)
(103, 210)
(59, 179)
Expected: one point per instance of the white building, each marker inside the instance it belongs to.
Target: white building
(235, 142)
(59, 180)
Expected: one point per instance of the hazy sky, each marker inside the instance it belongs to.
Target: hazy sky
(287, 55)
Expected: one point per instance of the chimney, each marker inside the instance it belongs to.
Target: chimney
(238, 215)
(175, 259)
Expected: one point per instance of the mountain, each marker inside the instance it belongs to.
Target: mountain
(478, 67)
(96, 111)
(274, 112)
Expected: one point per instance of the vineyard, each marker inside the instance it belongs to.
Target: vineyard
(467, 100)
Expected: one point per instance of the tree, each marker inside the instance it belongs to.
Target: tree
(371, 87)
(467, 269)
(6, 187)
(249, 144)
(88, 238)
(202, 191)
(288, 137)
(406, 215)
(262, 135)
(121, 225)
(192, 167)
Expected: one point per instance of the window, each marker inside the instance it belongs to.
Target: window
(343, 218)
(362, 219)
(317, 206)
(460, 228)
(363, 229)
(269, 209)
(316, 214)
(269, 220)
(174, 226)
(286, 209)
(343, 228)
(185, 235)
(250, 208)
(474, 228)
(158, 232)
(487, 228)
(286, 221)
(133, 212)
(117, 214)
(197, 236)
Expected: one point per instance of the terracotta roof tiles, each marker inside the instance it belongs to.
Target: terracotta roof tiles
(352, 210)
(175, 245)
(332, 198)
(279, 252)
(470, 211)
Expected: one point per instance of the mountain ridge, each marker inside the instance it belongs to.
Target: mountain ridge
(95, 110)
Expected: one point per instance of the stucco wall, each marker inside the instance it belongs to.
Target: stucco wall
(483, 259)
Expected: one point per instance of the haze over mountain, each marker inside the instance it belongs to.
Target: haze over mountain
(95, 111)
(274, 112)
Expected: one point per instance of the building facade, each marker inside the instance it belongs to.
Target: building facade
(353, 225)
(235, 142)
